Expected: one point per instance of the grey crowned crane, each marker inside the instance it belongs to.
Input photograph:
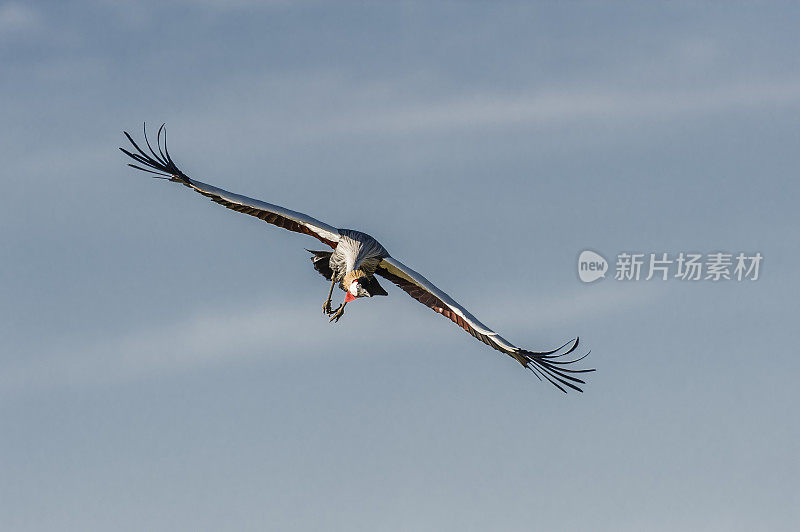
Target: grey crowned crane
(356, 258)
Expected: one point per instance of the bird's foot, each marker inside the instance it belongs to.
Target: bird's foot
(326, 307)
(338, 313)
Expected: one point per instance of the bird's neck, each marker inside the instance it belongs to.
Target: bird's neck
(352, 276)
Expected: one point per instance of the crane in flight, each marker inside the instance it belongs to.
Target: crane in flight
(354, 261)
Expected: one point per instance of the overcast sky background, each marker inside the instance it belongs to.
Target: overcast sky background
(165, 364)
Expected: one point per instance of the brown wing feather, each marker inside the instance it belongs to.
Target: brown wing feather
(267, 216)
(542, 364)
(162, 166)
(436, 304)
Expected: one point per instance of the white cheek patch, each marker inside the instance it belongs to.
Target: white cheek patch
(354, 288)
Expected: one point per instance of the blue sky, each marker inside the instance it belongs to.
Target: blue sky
(164, 362)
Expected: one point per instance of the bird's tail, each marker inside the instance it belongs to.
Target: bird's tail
(322, 263)
(159, 164)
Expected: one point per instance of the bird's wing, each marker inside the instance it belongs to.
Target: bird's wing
(161, 165)
(548, 364)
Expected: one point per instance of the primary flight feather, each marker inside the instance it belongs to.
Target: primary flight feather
(356, 258)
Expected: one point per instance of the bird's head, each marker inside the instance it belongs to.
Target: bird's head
(355, 283)
(356, 289)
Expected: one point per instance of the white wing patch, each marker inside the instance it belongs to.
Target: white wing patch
(320, 228)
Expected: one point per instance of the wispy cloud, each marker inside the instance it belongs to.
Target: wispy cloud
(234, 336)
(227, 5)
(209, 338)
(215, 5)
(584, 304)
(18, 19)
(384, 109)
(546, 107)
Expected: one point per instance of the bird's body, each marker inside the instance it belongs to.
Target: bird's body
(356, 251)
(352, 264)
(355, 260)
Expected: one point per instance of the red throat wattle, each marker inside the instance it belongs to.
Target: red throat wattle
(349, 297)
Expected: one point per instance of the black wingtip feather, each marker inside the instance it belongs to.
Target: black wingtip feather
(158, 163)
(158, 175)
(543, 363)
(158, 140)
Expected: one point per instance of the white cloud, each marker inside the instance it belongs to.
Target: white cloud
(227, 5)
(584, 304)
(321, 105)
(565, 105)
(216, 5)
(696, 53)
(209, 338)
(235, 336)
(18, 19)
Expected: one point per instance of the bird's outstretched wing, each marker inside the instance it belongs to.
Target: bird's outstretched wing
(548, 364)
(162, 166)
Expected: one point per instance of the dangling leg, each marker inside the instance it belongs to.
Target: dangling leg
(326, 307)
(338, 312)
